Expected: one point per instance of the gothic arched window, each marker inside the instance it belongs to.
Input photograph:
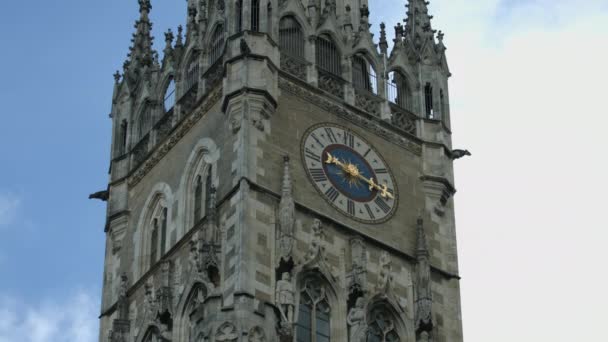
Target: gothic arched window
(442, 106)
(255, 15)
(399, 90)
(198, 198)
(163, 231)
(192, 71)
(144, 122)
(154, 243)
(123, 133)
(238, 9)
(169, 98)
(328, 56)
(313, 324)
(364, 75)
(382, 327)
(428, 101)
(291, 37)
(217, 44)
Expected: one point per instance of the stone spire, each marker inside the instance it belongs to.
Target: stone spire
(141, 53)
(383, 43)
(424, 301)
(418, 22)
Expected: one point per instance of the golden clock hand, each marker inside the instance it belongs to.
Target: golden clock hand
(353, 170)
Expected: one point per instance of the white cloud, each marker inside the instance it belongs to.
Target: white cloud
(528, 99)
(9, 204)
(74, 320)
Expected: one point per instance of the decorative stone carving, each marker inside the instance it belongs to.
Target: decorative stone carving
(382, 327)
(355, 118)
(165, 295)
(150, 307)
(368, 102)
(226, 333)
(123, 304)
(356, 322)
(316, 249)
(386, 273)
(424, 300)
(286, 216)
(357, 277)
(285, 297)
(256, 334)
(331, 84)
(293, 66)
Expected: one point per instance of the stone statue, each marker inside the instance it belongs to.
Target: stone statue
(315, 250)
(385, 276)
(285, 297)
(356, 321)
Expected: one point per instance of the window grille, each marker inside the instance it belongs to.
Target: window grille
(239, 15)
(144, 122)
(328, 56)
(217, 44)
(291, 37)
(191, 74)
(313, 314)
(364, 75)
(255, 15)
(428, 101)
(169, 100)
(399, 91)
(198, 198)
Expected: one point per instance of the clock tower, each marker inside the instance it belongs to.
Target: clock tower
(280, 174)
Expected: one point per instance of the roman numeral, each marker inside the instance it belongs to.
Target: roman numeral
(382, 204)
(318, 175)
(369, 212)
(351, 207)
(366, 153)
(330, 135)
(349, 139)
(332, 194)
(317, 140)
(381, 171)
(310, 154)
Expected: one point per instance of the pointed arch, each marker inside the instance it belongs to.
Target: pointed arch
(400, 90)
(150, 238)
(199, 174)
(291, 37)
(190, 311)
(385, 321)
(328, 56)
(318, 307)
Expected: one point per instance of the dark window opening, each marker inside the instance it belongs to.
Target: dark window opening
(364, 76)
(217, 45)
(124, 126)
(399, 91)
(153, 242)
(163, 231)
(269, 20)
(239, 15)
(198, 198)
(328, 57)
(291, 37)
(255, 15)
(428, 101)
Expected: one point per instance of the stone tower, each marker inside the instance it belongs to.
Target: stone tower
(280, 175)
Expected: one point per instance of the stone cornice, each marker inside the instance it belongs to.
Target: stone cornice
(353, 115)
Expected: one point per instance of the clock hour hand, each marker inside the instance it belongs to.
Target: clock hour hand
(352, 170)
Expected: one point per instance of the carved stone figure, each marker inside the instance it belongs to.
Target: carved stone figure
(424, 337)
(385, 276)
(357, 277)
(123, 304)
(285, 297)
(356, 322)
(286, 215)
(315, 249)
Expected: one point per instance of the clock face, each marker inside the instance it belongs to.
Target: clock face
(349, 173)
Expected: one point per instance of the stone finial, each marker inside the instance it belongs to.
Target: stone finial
(169, 38)
(383, 42)
(364, 11)
(180, 36)
(117, 76)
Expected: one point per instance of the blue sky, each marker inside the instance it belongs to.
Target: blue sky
(527, 100)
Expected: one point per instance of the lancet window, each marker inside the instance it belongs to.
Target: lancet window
(169, 98)
(328, 55)
(291, 37)
(217, 44)
(238, 9)
(314, 313)
(399, 90)
(364, 75)
(428, 101)
(255, 15)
